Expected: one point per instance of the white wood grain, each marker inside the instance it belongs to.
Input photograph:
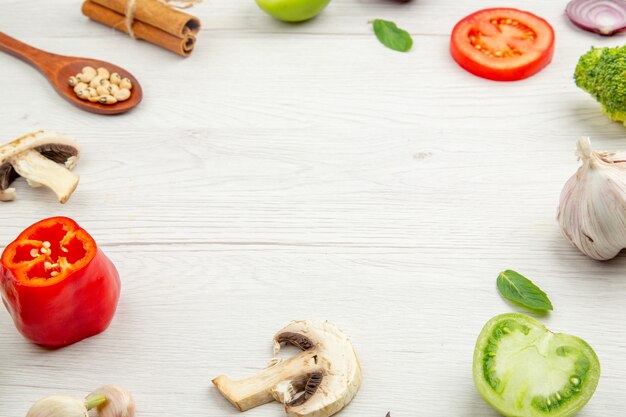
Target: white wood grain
(304, 171)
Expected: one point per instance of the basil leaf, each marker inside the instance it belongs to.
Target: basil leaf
(521, 290)
(392, 36)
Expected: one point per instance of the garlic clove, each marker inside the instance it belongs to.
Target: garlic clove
(58, 406)
(119, 402)
(592, 209)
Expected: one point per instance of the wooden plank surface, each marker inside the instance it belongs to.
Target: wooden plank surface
(304, 171)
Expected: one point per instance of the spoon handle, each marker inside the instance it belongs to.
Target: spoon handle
(27, 53)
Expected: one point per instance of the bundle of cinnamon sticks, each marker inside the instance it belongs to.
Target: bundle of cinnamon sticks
(151, 20)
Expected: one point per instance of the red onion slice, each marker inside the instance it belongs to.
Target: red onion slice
(605, 17)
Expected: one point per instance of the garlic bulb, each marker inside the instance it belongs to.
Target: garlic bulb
(58, 406)
(592, 210)
(119, 402)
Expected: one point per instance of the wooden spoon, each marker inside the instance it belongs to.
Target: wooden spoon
(58, 69)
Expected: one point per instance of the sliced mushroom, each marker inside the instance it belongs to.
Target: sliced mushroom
(36, 157)
(318, 382)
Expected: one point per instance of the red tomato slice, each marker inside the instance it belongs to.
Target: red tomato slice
(502, 44)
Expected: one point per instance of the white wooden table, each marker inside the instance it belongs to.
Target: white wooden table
(305, 171)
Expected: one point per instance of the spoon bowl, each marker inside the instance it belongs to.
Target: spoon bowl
(58, 69)
(76, 66)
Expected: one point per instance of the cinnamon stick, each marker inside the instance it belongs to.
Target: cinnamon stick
(181, 45)
(157, 14)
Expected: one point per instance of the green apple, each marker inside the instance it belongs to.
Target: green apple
(293, 10)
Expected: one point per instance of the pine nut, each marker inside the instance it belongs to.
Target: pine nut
(95, 81)
(112, 90)
(103, 72)
(80, 86)
(102, 91)
(87, 74)
(126, 83)
(122, 94)
(115, 78)
(107, 99)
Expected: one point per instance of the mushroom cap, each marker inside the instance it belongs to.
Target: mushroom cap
(336, 375)
(55, 146)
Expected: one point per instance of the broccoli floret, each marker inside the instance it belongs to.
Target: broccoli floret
(602, 73)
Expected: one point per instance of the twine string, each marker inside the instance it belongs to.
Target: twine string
(132, 4)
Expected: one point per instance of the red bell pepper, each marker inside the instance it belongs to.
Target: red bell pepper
(57, 285)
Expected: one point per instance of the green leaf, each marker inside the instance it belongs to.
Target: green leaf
(392, 36)
(521, 290)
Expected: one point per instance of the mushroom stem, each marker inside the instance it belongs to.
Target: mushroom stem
(259, 389)
(7, 195)
(39, 170)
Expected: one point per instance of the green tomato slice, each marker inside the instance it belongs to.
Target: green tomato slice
(524, 370)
